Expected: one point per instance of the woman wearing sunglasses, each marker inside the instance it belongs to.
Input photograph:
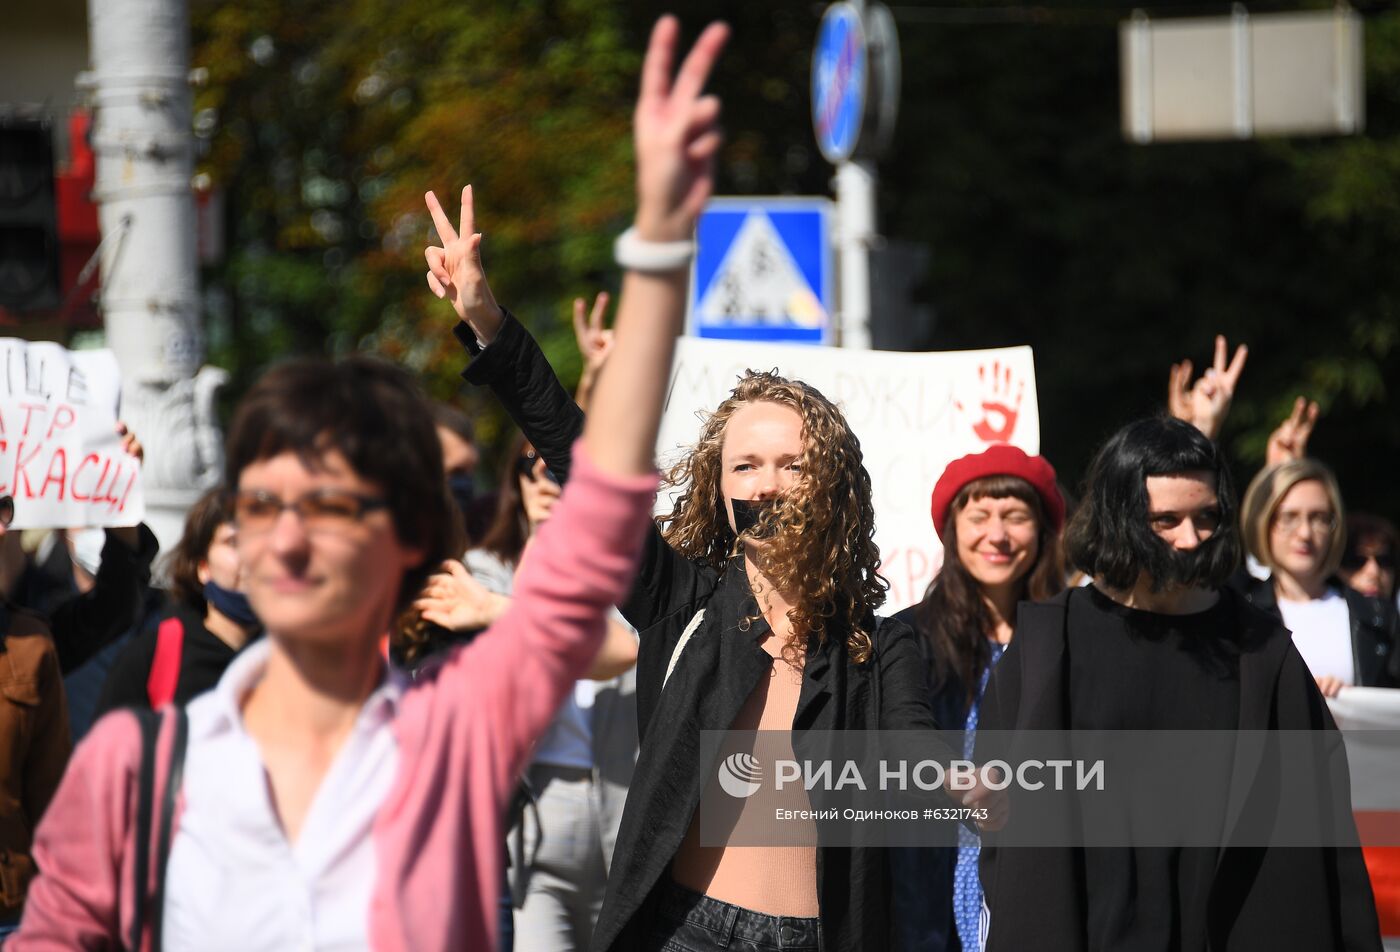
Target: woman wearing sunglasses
(1368, 564)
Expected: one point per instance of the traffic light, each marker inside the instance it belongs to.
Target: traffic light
(899, 318)
(29, 278)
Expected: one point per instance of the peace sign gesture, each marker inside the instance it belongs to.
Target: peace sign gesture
(595, 343)
(1205, 403)
(594, 340)
(454, 269)
(1289, 441)
(676, 133)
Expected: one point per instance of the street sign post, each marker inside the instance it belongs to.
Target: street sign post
(855, 99)
(763, 270)
(839, 82)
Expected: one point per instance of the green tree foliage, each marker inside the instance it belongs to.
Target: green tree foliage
(1044, 226)
(1113, 259)
(332, 120)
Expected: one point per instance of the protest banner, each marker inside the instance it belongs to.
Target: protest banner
(60, 455)
(913, 414)
(1369, 718)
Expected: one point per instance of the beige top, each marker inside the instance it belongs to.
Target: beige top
(776, 880)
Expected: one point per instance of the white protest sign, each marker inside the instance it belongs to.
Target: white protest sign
(1369, 718)
(60, 455)
(913, 414)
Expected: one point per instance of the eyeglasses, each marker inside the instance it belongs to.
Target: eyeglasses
(1319, 521)
(1352, 561)
(324, 510)
(525, 466)
(7, 510)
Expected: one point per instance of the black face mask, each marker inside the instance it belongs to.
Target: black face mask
(747, 512)
(462, 486)
(232, 605)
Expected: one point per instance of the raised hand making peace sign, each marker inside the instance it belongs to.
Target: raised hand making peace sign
(676, 133)
(1206, 402)
(1289, 440)
(455, 272)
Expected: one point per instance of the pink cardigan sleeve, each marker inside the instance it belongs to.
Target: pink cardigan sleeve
(81, 897)
(581, 563)
(466, 728)
(464, 732)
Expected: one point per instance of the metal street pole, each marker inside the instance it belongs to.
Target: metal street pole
(144, 146)
(855, 202)
(855, 101)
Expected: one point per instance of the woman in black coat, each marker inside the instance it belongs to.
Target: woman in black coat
(763, 585)
(999, 514)
(697, 583)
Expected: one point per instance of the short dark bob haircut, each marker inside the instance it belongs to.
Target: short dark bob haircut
(376, 416)
(1109, 537)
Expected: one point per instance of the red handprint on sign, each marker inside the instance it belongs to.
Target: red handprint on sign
(1001, 403)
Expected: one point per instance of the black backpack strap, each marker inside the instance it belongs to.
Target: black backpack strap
(173, 780)
(149, 723)
(146, 845)
(522, 802)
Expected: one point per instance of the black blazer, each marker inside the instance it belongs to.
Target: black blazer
(922, 876)
(715, 674)
(1261, 897)
(1372, 628)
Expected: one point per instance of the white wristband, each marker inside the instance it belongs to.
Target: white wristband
(637, 254)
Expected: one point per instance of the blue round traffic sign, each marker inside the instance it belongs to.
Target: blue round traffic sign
(839, 82)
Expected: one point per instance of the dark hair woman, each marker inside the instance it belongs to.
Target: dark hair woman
(1368, 561)
(1115, 536)
(1156, 644)
(999, 514)
(209, 622)
(460, 458)
(515, 514)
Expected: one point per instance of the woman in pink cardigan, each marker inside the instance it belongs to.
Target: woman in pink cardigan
(326, 802)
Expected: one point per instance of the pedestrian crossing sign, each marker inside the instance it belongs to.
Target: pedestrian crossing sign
(763, 271)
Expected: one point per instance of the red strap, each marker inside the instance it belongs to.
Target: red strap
(165, 667)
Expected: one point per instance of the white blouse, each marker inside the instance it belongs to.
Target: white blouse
(1322, 633)
(234, 881)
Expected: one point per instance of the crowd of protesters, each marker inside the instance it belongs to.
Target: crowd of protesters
(376, 707)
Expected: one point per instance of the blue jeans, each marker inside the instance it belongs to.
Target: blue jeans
(689, 922)
(505, 941)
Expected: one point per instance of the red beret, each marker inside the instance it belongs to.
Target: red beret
(999, 460)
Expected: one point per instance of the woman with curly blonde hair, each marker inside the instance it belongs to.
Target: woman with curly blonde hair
(818, 547)
(755, 607)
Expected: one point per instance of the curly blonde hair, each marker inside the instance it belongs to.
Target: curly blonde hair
(820, 546)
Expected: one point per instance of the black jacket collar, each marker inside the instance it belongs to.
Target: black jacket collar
(1372, 627)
